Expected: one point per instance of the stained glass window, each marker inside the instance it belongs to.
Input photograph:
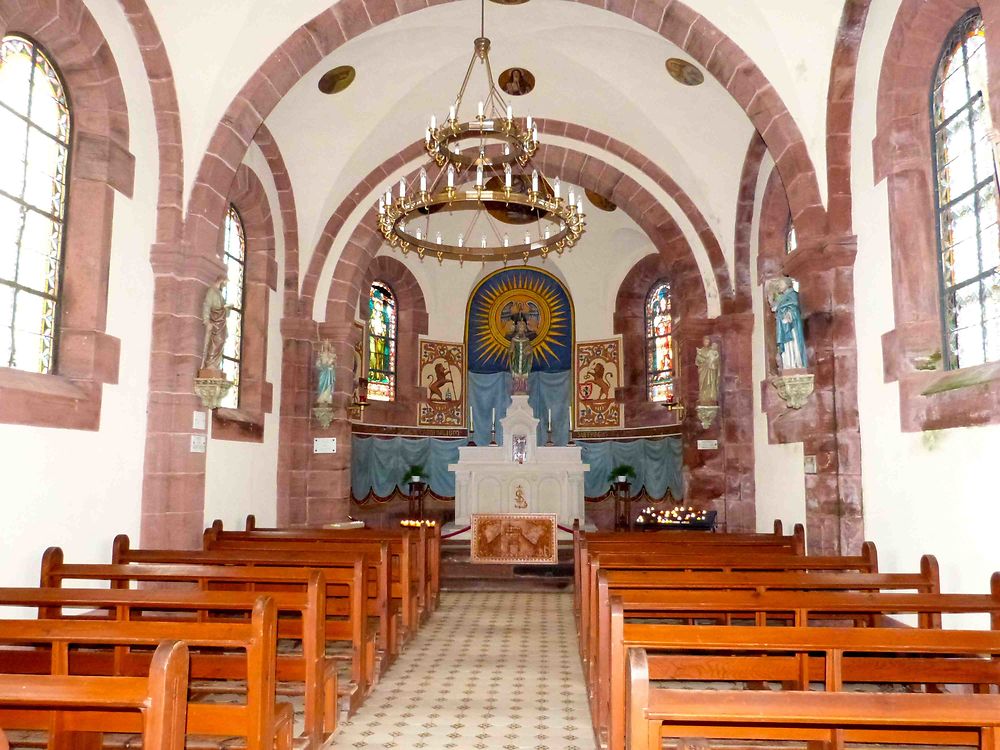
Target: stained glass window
(34, 154)
(791, 241)
(965, 166)
(659, 344)
(382, 322)
(234, 252)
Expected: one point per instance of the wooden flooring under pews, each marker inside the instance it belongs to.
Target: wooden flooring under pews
(274, 639)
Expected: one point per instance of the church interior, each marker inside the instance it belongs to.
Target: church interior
(484, 373)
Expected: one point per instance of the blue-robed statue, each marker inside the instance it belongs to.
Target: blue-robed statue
(326, 373)
(783, 297)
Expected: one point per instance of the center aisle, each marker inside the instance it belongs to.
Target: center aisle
(489, 670)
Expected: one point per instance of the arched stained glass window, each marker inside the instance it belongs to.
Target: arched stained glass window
(234, 254)
(965, 166)
(382, 325)
(791, 240)
(659, 344)
(34, 156)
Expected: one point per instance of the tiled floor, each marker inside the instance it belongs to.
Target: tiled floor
(489, 670)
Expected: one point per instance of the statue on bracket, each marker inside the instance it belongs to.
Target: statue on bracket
(709, 361)
(326, 379)
(792, 384)
(783, 297)
(211, 384)
(521, 353)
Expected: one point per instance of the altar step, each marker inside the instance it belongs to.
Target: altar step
(459, 573)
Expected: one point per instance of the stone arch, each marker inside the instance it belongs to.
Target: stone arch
(413, 321)
(347, 19)
(745, 200)
(586, 171)
(100, 164)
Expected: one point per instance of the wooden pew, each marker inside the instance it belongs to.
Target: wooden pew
(636, 589)
(776, 541)
(832, 656)
(377, 580)
(48, 699)
(806, 607)
(299, 596)
(430, 538)
(721, 560)
(402, 587)
(408, 550)
(110, 648)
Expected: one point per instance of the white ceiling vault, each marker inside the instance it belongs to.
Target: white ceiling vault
(592, 67)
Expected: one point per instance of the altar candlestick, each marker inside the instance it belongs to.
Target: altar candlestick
(493, 418)
(550, 420)
(472, 424)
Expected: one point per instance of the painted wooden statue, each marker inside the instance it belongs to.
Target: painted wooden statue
(521, 353)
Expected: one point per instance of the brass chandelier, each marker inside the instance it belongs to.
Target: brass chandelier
(480, 198)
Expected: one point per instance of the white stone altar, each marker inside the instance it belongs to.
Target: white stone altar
(519, 476)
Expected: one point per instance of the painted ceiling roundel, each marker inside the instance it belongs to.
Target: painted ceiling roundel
(502, 297)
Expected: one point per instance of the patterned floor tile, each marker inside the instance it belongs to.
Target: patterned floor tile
(489, 670)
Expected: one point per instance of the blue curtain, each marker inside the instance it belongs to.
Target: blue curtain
(546, 390)
(658, 464)
(379, 463)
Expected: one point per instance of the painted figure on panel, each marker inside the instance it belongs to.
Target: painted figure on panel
(601, 382)
(708, 360)
(521, 354)
(437, 382)
(783, 297)
(326, 372)
(214, 311)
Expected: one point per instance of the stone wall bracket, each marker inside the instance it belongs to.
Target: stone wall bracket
(323, 415)
(794, 389)
(707, 415)
(211, 388)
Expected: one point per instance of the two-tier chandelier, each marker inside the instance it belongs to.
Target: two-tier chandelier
(480, 198)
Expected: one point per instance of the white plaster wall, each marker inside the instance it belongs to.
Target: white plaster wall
(778, 473)
(932, 492)
(74, 488)
(241, 477)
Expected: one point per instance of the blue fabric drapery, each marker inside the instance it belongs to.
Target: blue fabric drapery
(379, 463)
(546, 390)
(658, 463)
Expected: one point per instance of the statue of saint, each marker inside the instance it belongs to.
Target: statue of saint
(783, 297)
(326, 373)
(708, 361)
(214, 312)
(521, 353)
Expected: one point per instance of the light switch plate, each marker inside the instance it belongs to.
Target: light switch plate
(708, 445)
(198, 443)
(325, 445)
(200, 421)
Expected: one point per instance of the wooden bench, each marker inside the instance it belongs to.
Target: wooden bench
(721, 560)
(301, 607)
(407, 549)
(27, 701)
(807, 607)
(831, 656)
(376, 578)
(635, 590)
(103, 648)
(776, 541)
(429, 537)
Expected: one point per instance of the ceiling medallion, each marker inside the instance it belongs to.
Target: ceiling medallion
(480, 172)
(599, 201)
(517, 81)
(684, 72)
(336, 80)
